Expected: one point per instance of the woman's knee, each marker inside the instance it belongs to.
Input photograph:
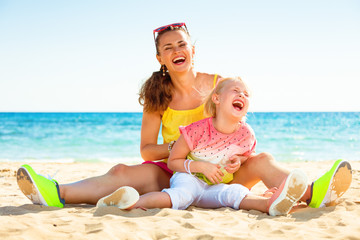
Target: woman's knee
(118, 170)
(261, 159)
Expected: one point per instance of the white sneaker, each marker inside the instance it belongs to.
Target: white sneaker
(289, 192)
(123, 198)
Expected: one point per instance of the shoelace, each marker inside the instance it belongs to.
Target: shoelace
(49, 176)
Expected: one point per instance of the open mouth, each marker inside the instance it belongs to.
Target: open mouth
(178, 60)
(238, 105)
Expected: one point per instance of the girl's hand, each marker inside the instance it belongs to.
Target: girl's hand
(235, 163)
(212, 172)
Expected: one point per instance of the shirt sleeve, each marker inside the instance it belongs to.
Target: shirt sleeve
(194, 132)
(186, 132)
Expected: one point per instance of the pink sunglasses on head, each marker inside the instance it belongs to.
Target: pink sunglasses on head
(174, 25)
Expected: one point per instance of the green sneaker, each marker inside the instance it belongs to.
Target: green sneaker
(326, 190)
(39, 189)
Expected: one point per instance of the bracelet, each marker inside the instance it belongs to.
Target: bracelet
(170, 146)
(187, 163)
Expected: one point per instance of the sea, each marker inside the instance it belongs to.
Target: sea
(115, 137)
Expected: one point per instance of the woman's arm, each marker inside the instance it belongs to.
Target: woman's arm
(149, 148)
(178, 156)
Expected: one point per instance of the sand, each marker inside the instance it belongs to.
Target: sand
(22, 220)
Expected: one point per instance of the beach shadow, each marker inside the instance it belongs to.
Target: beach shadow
(299, 213)
(134, 213)
(159, 212)
(33, 208)
(24, 209)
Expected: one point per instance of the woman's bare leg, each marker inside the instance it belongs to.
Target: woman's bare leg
(144, 178)
(263, 167)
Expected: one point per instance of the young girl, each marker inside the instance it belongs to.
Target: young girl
(171, 97)
(204, 148)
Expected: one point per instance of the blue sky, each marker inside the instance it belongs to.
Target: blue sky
(94, 55)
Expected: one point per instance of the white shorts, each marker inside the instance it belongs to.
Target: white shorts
(186, 189)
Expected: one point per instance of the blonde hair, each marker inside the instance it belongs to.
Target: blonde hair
(209, 105)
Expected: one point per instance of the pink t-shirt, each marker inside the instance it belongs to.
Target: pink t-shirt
(208, 144)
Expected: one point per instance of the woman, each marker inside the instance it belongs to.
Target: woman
(172, 97)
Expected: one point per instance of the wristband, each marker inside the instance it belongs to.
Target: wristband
(170, 146)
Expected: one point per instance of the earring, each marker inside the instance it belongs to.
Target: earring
(163, 70)
(192, 63)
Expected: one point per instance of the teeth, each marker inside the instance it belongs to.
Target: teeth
(178, 59)
(239, 103)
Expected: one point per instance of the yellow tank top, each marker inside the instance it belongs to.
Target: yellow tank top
(173, 119)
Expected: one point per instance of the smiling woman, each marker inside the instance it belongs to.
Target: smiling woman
(176, 55)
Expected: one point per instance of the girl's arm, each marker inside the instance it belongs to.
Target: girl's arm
(178, 156)
(149, 148)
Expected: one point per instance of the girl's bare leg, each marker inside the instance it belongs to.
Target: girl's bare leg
(144, 178)
(254, 202)
(154, 200)
(263, 167)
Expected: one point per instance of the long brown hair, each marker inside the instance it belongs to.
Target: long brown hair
(156, 92)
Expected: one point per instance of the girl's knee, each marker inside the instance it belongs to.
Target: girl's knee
(233, 195)
(180, 198)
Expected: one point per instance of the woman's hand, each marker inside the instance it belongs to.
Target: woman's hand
(212, 172)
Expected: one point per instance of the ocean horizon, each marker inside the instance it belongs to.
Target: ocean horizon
(115, 136)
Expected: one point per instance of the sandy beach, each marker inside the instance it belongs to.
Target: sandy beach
(22, 220)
